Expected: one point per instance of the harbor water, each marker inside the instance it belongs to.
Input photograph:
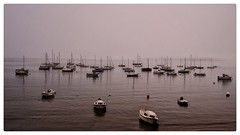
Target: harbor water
(72, 107)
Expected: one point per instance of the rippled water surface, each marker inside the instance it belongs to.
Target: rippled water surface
(72, 107)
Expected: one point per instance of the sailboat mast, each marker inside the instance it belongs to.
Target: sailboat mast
(110, 61)
(23, 61)
(122, 60)
(184, 63)
(190, 60)
(171, 62)
(59, 58)
(107, 60)
(52, 56)
(71, 58)
(148, 62)
(200, 66)
(94, 60)
(211, 62)
(46, 58)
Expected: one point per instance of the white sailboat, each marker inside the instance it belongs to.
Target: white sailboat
(22, 71)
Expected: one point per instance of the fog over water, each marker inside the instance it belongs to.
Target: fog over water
(206, 31)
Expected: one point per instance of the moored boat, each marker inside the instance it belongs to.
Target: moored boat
(224, 77)
(172, 73)
(199, 74)
(99, 104)
(46, 65)
(99, 70)
(121, 65)
(67, 69)
(22, 71)
(148, 116)
(183, 71)
(182, 102)
(158, 72)
(94, 74)
(48, 93)
(132, 75)
(147, 69)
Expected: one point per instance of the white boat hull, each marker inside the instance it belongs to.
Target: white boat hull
(99, 104)
(48, 93)
(147, 119)
(151, 121)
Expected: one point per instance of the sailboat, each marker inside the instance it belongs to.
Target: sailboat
(57, 65)
(171, 71)
(138, 63)
(183, 71)
(211, 67)
(22, 71)
(94, 66)
(180, 65)
(200, 73)
(128, 69)
(161, 65)
(165, 67)
(121, 65)
(46, 65)
(147, 69)
(200, 67)
(99, 69)
(82, 63)
(156, 67)
(132, 74)
(108, 67)
(190, 67)
(53, 64)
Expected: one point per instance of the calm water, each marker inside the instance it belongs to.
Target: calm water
(72, 107)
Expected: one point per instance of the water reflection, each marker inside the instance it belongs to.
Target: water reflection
(45, 78)
(148, 127)
(48, 99)
(133, 83)
(70, 77)
(224, 82)
(99, 112)
(22, 81)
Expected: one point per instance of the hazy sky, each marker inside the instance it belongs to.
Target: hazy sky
(120, 30)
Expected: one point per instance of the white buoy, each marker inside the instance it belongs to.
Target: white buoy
(228, 94)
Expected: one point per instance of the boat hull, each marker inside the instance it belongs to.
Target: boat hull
(224, 78)
(21, 72)
(147, 119)
(132, 75)
(183, 71)
(182, 102)
(92, 75)
(146, 69)
(158, 73)
(199, 74)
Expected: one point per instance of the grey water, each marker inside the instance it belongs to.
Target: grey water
(72, 107)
